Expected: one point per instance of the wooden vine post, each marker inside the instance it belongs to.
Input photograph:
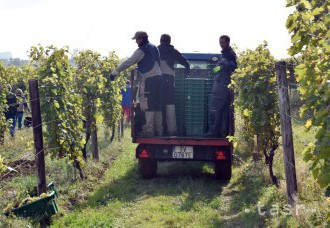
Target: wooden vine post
(286, 127)
(37, 135)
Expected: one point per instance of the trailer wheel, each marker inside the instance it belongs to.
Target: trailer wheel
(222, 170)
(148, 168)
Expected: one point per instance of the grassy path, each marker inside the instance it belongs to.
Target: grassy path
(184, 194)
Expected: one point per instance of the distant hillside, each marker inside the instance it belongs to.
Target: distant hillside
(8, 60)
(5, 55)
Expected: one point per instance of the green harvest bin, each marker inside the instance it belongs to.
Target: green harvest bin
(42, 208)
(196, 106)
(195, 128)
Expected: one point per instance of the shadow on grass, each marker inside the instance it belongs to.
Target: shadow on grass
(174, 179)
(245, 192)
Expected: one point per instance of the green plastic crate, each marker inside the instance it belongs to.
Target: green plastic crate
(195, 116)
(195, 104)
(179, 72)
(195, 128)
(195, 107)
(180, 122)
(42, 208)
(198, 88)
(191, 102)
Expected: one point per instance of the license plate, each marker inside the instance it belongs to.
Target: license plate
(185, 152)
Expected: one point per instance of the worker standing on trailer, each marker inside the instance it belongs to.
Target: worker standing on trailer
(148, 62)
(219, 101)
(168, 57)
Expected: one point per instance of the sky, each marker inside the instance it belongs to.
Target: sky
(105, 25)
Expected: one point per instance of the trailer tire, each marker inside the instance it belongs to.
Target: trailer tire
(222, 170)
(148, 168)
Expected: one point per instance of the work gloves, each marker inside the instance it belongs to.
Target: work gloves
(113, 75)
(223, 63)
(216, 70)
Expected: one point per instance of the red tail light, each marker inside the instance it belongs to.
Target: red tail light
(144, 154)
(220, 155)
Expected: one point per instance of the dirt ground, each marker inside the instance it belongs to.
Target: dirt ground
(17, 168)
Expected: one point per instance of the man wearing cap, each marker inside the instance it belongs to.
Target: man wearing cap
(148, 62)
(168, 57)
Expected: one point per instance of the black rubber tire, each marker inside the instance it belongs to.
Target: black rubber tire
(148, 168)
(222, 170)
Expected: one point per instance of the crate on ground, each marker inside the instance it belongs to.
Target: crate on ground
(41, 208)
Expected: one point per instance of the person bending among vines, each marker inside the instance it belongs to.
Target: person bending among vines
(12, 110)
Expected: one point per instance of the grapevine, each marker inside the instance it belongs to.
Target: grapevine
(60, 105)
(257, 100)
(111, 96)
(2, 166)
(91, 82)
(3, 93)
(309, 25)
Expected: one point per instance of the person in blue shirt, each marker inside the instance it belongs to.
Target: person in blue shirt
(126, 102)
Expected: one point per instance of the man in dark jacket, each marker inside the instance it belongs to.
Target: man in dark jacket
(148, 62)
(12, 110)
(220, 100)
(168, 57)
